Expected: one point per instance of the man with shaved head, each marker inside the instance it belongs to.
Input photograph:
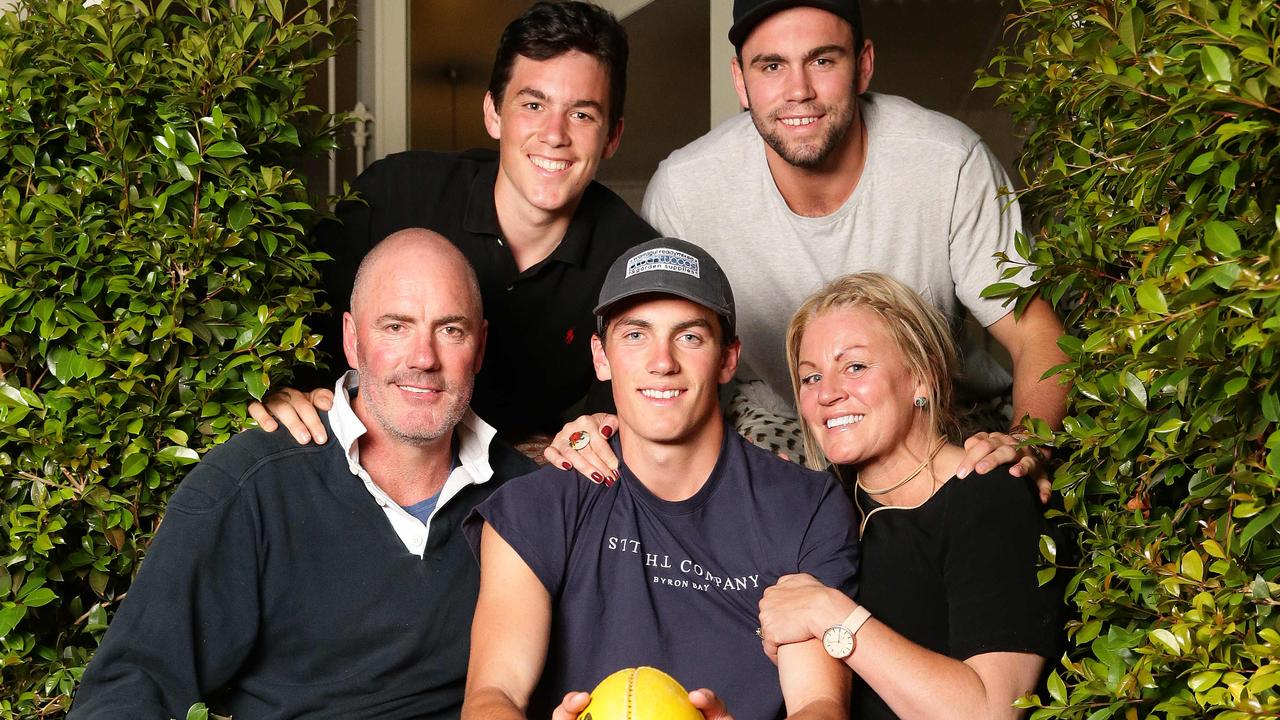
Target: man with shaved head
(328, 580)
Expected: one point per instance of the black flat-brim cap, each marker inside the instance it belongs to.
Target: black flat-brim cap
(668, 266)
(747, 14)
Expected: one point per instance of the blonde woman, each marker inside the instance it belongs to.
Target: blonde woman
(949, 620)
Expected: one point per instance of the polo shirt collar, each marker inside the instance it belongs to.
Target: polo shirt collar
(481, 218)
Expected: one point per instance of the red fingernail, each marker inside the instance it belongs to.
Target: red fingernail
(566, 466)
(597, 478)
(606, 431)
(609, 483)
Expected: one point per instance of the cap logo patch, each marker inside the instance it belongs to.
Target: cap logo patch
(664, 259)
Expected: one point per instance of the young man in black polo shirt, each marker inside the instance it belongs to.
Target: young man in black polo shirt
(538, 230)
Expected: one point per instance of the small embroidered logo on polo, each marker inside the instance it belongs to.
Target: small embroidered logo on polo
(664, 259)
(568, 337)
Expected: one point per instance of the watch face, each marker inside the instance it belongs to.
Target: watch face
(838, 641)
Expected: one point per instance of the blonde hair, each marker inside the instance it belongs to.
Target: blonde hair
(917, 328)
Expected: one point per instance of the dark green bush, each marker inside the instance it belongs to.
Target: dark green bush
(1153, 173)
(154, 275)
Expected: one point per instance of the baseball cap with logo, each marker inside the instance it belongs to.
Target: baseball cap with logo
(668, 266)
(747, 14)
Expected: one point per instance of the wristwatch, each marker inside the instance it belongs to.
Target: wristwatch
(840, 640)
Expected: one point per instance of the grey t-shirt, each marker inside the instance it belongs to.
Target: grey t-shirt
(637, 580)
(925, 211)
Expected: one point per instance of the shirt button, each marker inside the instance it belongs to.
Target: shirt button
(510, 288)
(382, 503)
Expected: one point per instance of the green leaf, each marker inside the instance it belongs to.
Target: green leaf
(1000, 289)
(1216, 64)
(199, 711)
(1221, 238)
(1166, 639)
(225, 149)
(1151, 298)
(256, 383)
(276, 9)
(10, 616)
(24, 155)
(11, 394)
(1259, 522)
(1057, 688)
(1202, 681)
(133, 464)
(1130, 29)
(1048, 548)
(239, 216)
(1203, 162)
(177, 455)
(1192, 566)
(39, 597)
(1135, 387)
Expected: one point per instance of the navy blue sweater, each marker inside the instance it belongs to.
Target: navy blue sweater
(276, 588)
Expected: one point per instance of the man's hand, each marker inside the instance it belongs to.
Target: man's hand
(986, 451)
(799, 608)
(297, 411)
(712, 707)
(572, 704)
(595, 460)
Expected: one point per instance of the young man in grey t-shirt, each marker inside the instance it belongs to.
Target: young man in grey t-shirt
(821, 179)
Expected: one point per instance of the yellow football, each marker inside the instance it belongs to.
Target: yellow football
(642, 693)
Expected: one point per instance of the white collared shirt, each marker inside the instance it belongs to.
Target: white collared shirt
(474, 437)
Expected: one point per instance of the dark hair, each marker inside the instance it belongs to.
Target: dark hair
(551, 29)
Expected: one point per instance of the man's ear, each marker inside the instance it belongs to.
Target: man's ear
(599, 360)
(349, 347)
(615, 139)
(492, 120)
(729, 361)
(866, 67)
(739, 82)
(482, 341)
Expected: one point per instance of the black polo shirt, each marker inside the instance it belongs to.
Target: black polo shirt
(537, 367)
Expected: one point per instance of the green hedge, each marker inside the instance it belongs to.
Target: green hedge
(1153, 173)
(154, 275)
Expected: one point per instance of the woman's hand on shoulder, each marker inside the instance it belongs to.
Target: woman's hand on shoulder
(296, 410)
(583, 445)
(985, 451)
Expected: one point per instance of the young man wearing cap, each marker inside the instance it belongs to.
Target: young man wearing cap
(822, 178)
(665, 566)
(537, 228)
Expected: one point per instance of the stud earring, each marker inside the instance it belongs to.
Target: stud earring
(921, 401)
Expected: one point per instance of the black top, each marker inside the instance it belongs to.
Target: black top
(277, 588)
(957, 575)
(537, 366)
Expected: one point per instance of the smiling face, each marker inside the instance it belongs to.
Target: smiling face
(856, 391)
(800, 77)
(667, 362)
(416, 336)
(553, 130)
